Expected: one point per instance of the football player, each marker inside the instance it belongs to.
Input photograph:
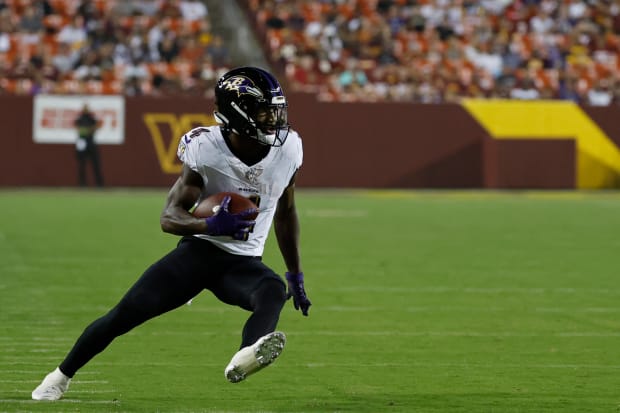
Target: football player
(252, 152)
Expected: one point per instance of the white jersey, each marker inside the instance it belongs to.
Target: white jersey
(205, 151)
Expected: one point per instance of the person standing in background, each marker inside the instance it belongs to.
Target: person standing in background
(86, 147)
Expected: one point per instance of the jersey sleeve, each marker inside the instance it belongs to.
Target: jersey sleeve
(298, 151)
(188, 148)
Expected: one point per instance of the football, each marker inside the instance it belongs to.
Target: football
(210, 205)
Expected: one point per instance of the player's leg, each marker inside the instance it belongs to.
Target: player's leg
(94, 157)
(256, 288)
(166, 285)
(266, 304)
(81, 167)
(261, 344)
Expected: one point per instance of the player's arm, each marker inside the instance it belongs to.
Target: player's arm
(175, 218)
(286, 226)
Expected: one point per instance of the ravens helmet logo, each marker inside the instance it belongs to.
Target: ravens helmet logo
(242, 85)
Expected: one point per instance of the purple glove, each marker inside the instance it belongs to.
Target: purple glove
(297, 291)
(225, 223)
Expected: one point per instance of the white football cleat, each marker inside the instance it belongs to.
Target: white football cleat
(253, 358)
(53, 386)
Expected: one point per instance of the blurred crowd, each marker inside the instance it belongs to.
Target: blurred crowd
(138, 47)
(435, 51)
(428, 51)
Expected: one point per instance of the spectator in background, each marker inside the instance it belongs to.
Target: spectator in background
(5, 38)
(218, 52)
(86, 147)
(168, 48)
(192, 10)
(525, 91)
(42, 7)
(169, 8)
(89, 68)
(568, 90)
(352, 77)
(600, 95)
(74, 33)
(31, 21)
(136, 70)
(65, 59)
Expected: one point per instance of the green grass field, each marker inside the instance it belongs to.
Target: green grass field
(422, 302)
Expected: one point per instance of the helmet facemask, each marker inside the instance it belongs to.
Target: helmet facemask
(272, 125)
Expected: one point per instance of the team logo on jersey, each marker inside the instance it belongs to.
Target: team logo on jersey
(253, 174)
(242, 85)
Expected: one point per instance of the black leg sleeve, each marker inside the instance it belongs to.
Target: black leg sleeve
(99, 334)
(166, 285)
(267, 302)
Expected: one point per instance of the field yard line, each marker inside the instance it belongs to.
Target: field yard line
(42, 371)
(34, 350)
(411, 333)
(39, 381)
(213, 310)
(31, 356)
(457, 333)
(61, 401)
(383, 333)
(487, 365)
(460, 309)
(73, 391)
(57, 339)
(382, 365)
(475, 290)
(336, 213)
(56, 344)
(578, 310)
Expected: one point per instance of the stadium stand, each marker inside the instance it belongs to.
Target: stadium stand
(442, 50)
(428, 51)
(140, 47)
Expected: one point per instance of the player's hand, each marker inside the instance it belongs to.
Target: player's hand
(296, 290)
(225, 223)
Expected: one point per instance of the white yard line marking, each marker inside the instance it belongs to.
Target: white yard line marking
(411, 333)
(35, 350)
(468, 365)
(56, 339)
(383, 365)
(475, 290)
(429, 309)
(17, 360)
(61, 401)
(212, 310)
(45, 372)
(458, 333)
(32, 344)
(578, 310)
(73, 391)
(30, 362)
(74, 382)
(388, 333)
(336, 213)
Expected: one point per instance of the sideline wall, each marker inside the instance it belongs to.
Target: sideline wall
(346, 145)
